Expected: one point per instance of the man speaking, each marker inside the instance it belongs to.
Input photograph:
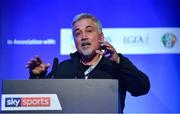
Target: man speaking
(95, 58)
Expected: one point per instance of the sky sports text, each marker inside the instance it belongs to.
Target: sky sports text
(27, 102)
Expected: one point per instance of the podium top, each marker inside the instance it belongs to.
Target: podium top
(75, 95)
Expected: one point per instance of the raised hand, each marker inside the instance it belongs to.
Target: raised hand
(109, 52)
(37, 66)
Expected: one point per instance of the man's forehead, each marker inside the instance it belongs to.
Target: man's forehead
(84, 23)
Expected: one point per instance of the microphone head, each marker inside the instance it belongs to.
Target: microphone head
(54, 67)
(55, 60)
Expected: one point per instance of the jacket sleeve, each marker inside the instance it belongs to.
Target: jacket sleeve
(39, 76)
(135, 81)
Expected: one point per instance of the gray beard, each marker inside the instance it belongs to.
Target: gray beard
(87, 53)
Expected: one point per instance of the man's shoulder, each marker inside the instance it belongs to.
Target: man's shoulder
(65, 69)
(66, 62)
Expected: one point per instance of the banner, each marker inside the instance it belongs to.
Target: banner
(131, 40)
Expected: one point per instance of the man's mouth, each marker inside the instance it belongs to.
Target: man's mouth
(85, 44)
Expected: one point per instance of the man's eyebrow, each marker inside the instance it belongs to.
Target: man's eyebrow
(76, 29)
(89, 26)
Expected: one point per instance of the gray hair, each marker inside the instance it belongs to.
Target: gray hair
(87, 16)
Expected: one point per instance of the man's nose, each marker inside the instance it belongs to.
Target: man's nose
(84, 36)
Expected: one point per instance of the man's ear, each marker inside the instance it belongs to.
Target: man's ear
(101, 38)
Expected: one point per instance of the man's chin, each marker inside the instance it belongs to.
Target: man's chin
(87, 54)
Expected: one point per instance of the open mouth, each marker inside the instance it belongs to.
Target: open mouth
(85, 44)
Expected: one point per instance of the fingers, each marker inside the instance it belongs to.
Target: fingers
(107, 44)
(100, 52)
(38, 59)
(36, 65)
(47, 66)
(32, 63)
(108, 52)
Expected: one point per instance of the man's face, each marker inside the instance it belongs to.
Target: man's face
(87, 37)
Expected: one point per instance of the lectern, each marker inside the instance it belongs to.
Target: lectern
(60, 96)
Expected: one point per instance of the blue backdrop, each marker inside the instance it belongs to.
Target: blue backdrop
(43, 19)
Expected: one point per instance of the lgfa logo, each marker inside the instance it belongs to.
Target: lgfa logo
(168, 40)
(27, 102)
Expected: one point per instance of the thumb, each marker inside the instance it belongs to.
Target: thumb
(100, 52)
(47, 66)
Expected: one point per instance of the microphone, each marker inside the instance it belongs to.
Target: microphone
(52, 74)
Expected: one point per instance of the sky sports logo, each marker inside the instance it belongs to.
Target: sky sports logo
(27, 102)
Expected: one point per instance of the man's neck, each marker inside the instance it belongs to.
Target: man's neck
(91, 60)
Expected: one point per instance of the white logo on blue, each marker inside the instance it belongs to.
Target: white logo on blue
(13, 102)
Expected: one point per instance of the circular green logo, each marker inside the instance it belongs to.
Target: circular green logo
(168, 40)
